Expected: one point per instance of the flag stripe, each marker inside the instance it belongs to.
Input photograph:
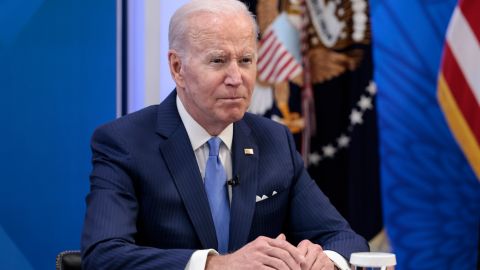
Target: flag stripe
(266, 49)
(267, 36)
(279, 50)
(459, 81)
(269, 58)
(280, 56)
(265, 45)
(284, 62)
(264, 58)
(466, 50)
(460, 128)
(295, 72)
(461, 92)
(470, 10)
(285, 67)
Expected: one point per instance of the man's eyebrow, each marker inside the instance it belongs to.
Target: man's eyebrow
(215, 53)
(221, 53)
(249, 51)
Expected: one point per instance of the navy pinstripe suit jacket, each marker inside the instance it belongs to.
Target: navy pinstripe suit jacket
(147, 208)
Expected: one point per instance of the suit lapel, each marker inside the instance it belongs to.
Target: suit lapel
(243, 195)
(181, 161)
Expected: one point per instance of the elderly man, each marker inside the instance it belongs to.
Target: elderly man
(198, 183)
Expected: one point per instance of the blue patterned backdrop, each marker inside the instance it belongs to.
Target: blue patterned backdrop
(431, 197)
(57, 82)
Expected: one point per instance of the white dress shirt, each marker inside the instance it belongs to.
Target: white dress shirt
(198, 138)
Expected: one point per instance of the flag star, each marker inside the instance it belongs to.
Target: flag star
(329, 151)
(343, 141)
(365, 103)
(314, 158)
(372, 88)
(356, 117)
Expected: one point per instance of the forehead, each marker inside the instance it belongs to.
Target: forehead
(208, 31)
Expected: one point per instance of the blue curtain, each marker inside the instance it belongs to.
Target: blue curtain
(57, 82)
(431, 198)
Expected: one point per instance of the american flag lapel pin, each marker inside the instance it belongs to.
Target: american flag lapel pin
(248, 151)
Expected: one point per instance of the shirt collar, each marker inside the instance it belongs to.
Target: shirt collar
(197, 134)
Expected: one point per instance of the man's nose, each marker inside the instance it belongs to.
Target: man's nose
(234, 76)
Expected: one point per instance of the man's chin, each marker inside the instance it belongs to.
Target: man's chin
(234, 117)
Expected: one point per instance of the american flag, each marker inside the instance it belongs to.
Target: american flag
(279, 57)
(459, 80)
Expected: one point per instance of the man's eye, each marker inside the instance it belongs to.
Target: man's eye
(246, 60)
(217, 61)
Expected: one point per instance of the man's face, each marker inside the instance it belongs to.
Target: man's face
(216, 77)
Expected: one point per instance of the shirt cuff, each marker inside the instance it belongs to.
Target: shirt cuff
(337, 259)
(199, 259)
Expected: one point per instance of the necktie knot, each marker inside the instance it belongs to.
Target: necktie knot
(214, 144)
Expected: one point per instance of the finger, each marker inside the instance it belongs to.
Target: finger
(311, 252)
(310, 259)
(317, 265)
(281, 237)
(275, 248)
(284, 256)
(284, 248)
(322, 262)
(274, 263)
(303, 246)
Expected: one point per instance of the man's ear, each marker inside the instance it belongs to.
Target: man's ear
(175, 65)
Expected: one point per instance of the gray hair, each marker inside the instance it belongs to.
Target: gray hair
(180, 24)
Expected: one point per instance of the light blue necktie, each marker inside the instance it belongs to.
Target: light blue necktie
(216, 188)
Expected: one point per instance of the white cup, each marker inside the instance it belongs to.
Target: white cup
(373, 261)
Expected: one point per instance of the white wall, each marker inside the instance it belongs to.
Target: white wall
(149, 80)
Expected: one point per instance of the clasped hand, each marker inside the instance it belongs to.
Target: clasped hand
(269, 253)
